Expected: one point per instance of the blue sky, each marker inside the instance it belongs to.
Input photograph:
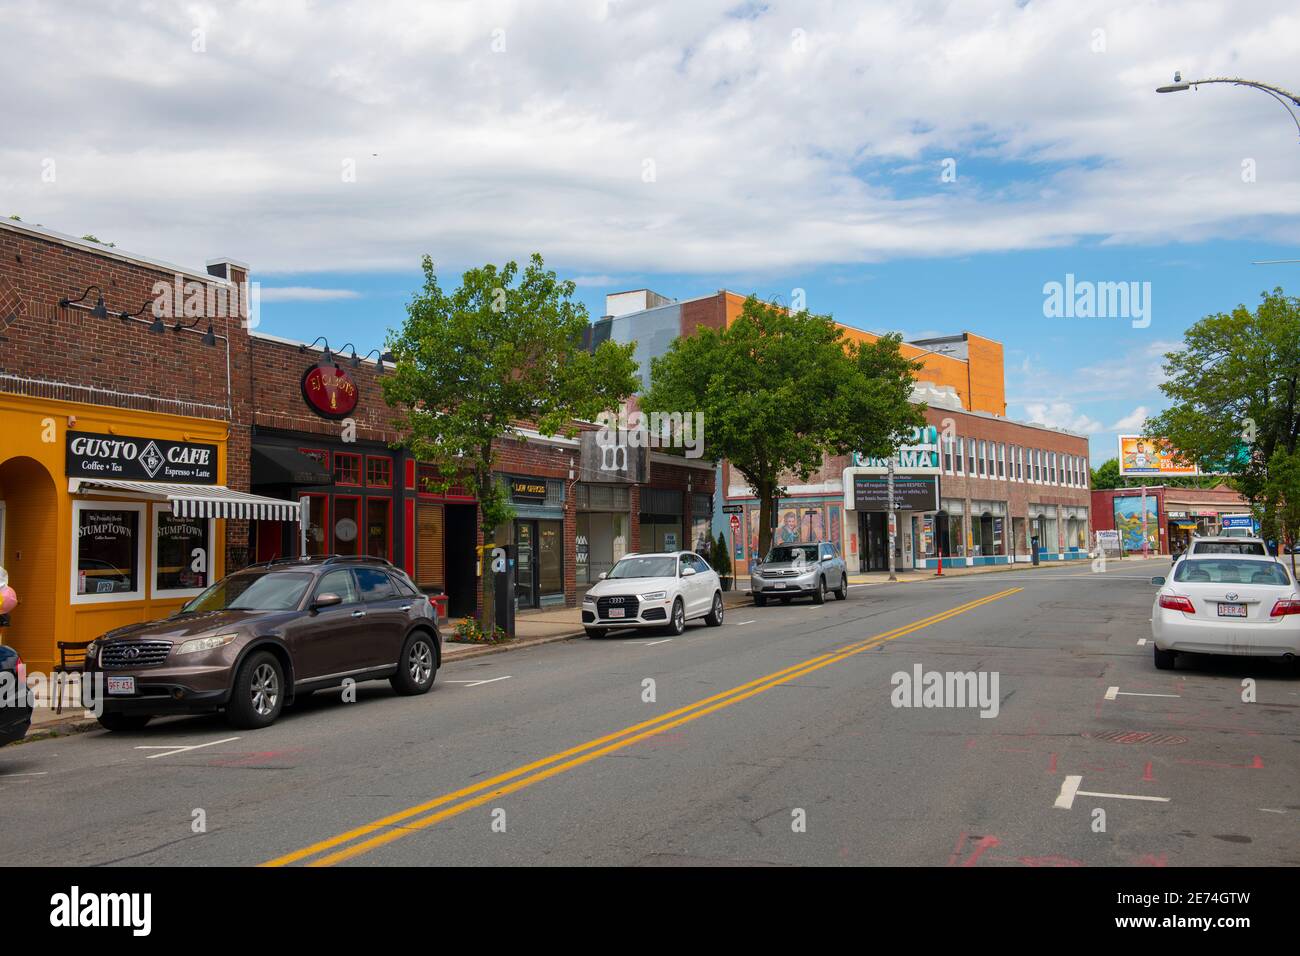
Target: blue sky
(686, 146)
(1103, 369)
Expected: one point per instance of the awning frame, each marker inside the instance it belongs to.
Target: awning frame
(193, 501)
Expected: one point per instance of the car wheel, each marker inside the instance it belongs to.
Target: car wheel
(417, 666)
(1164, 660)
(258, 695)
(842, 591)
(715, 616)
(678, 624)
(760, 601)
(595, 633)
(121, 722)
(819, 596)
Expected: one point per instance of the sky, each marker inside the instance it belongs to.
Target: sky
(922, 167)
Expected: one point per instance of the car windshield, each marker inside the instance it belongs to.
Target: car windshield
(649, 567)
(1228, 547)
(1228, 571)
(252, 591)
(807, 555)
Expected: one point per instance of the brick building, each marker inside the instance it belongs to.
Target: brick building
(977, 487)
(1173, 514)
(124, 435)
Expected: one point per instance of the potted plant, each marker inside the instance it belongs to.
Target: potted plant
(721, 561)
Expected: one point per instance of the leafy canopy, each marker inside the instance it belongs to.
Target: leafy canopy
(779, 391)
(503, 349)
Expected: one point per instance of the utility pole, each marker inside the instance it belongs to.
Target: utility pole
(890, 529)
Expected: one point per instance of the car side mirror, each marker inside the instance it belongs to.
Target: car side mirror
(602, 576)
(1158, 581)
(687, 572)
(327, 599)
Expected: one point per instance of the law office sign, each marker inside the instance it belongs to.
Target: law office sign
(919, 456)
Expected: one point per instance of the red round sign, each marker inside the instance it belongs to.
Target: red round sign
(329, 391)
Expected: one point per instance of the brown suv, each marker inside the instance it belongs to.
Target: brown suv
(254, 640)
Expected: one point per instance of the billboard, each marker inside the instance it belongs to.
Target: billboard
(919, 456)
(1139, 455)
(911, 493)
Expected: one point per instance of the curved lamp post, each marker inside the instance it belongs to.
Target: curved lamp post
(1279, 94)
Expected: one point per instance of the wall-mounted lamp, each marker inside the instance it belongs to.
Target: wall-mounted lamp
(327, 357)
(99, 311)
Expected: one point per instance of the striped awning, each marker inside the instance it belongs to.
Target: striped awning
(197, 501)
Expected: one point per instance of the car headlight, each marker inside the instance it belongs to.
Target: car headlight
(92, 653)
(588, 599)
(205, 644)
(654, 596)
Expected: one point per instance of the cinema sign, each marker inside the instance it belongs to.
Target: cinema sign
(127, 458)
(920, 456)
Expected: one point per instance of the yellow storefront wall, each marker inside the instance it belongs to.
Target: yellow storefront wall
(38, 521)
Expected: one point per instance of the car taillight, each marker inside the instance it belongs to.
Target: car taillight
(22, 673)
(1175, 603)
(1284, 607)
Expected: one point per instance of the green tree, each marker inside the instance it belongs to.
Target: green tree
(1106, 475)
(779, 391)
(1235, 393)
(721, 557)
(503, 349)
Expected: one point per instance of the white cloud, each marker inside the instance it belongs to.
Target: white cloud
(302, 293)
(1061, 415)
(1132, 422)
(765, 155)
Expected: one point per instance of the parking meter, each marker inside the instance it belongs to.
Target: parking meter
(501, 564)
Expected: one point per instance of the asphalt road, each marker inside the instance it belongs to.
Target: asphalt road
(772, 740)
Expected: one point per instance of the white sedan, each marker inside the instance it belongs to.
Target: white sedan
(654, 590)
(1226, 604)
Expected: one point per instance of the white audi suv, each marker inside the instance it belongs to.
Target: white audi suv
(654, 590)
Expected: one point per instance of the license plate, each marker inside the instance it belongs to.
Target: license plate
(617, 612)
(779, 585)
(1232, 610)
(121, 685)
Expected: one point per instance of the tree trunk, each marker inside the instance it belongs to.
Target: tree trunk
(764, 490)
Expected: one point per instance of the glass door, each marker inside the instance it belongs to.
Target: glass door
(525, 565)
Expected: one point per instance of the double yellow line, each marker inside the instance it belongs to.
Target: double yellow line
(395, 826)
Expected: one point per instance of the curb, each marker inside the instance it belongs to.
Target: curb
(472, 650)
(61, 727)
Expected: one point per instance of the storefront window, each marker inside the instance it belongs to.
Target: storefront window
(346, 515)
(317, 516)
(379, 472)
(108, 550)
(378, 527)
(347, 468)
(430, 568)
(182, 552)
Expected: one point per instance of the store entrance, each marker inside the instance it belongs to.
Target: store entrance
(873, 540)
(462, 583)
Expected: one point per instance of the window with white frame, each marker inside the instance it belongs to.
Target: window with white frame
(970, 458)
(182, 554)
(961, 455)
(947, 454)
(1002, 460)
(107, 551)
(984, 450)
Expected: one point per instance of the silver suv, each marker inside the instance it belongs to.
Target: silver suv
(795, 570)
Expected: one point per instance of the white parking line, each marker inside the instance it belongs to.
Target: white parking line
(42, 773)
(1113, 692)
(1142, 641)
(172, 749)
(476, 683)
(1070, 790)
(743, 623)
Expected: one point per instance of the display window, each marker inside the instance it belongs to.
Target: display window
(347, 468)
(108, 551)
(347, 523)
(182, 554)
(379, 472)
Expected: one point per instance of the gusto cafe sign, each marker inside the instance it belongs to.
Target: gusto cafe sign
(329, 391)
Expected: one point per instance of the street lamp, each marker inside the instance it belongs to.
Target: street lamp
(1279, 94)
